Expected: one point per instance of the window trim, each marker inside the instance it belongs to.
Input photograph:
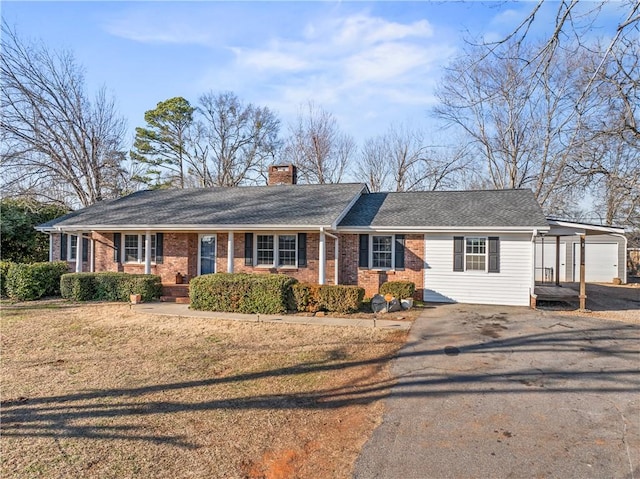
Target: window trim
(486, 254)
(141, 239)
(393, 252)
(276, 250)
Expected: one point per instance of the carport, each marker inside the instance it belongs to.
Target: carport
(548, 288)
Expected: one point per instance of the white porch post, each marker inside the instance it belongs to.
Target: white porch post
(50, 247)
(322, 253)
(79, 252)
(336, 265)
(92, 252)
(230, 252)
(147, 253)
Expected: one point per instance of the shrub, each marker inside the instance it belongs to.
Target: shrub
(242, 293)
(306, 297)
(109, 286)
(398, 289)
(340, 298)
(26, 282)
(4, 269)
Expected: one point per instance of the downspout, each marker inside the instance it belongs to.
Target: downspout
(624, 280)
(336, 256)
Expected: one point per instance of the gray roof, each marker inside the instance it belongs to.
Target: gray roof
(441, 209)
(298, 205)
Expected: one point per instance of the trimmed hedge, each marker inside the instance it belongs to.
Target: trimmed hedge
(306, 297)
(398, 289)
(340, 298)
(4, 269)
(242, 293)
(109, 286)
(27, 282)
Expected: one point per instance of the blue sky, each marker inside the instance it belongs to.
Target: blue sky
(369, 63)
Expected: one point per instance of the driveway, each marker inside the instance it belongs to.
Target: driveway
(492, 391)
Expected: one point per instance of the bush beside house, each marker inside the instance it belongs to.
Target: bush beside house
(27, 282)
(109, 286)
(242, 293)
(398, 289)
(339, 299)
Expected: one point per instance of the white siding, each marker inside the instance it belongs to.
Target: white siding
(508, 287)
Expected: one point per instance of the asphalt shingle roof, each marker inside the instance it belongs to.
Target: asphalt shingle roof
(481, 208)
(298, 205)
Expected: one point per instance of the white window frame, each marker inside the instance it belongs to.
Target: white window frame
(215, 252)
(276, 251)
(141, 240)
(485, 254)
(393, 252)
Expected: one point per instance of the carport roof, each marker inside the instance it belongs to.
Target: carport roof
(447, 209)
(571, 228)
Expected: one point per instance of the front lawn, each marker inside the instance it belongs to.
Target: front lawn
(99, 391)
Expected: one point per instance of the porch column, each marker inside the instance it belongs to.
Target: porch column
(336, 256)
(557, 260)
(50, 247)
(230, 252)
(321, 258)
(583, 286)
(147, 253)
(92, 253)
(79, 252)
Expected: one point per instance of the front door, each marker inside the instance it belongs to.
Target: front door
(207, 254)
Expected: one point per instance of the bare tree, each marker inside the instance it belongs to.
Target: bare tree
(57, 144)
(401, 160)
(521, 121)
(241, 139)
(317, 146)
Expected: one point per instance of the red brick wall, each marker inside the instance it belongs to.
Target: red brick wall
(371, 280)
(181, 255)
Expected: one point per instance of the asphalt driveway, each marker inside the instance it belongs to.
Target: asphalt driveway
(503, 392)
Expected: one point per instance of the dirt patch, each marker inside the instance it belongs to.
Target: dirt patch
(98, 391)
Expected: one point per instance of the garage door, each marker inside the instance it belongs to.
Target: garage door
(601, 262)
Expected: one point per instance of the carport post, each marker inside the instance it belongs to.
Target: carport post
(557, 260)
(583, 286)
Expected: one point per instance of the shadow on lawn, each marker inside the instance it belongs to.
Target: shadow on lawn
(69, 415)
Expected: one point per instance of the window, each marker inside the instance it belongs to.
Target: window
(287, 250)
(264, 253)
(476, 254)
(134, 248)
(276, 251)
(382, 252)
(73, 247)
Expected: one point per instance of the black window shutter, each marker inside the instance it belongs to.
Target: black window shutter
(458, 253)
(248, 249)
(363, 254)
(85, 249)
(117, 241)
(399, 252)
(63, 247)
(302, 249)
(159, 248)
(494, 254)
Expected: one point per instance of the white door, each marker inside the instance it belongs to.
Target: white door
(600, 262)
(546, 264)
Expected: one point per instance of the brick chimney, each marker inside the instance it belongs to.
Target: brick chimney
(283, 175)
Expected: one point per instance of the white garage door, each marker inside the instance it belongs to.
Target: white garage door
(601, 262)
